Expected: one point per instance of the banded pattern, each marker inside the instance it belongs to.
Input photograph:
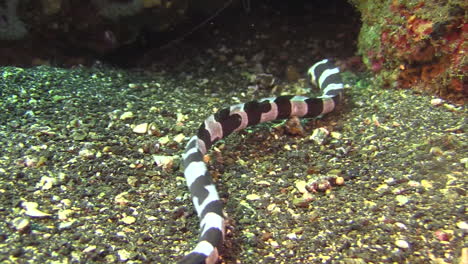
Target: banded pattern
(237, 117)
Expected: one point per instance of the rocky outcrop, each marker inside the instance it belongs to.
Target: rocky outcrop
(416, 44)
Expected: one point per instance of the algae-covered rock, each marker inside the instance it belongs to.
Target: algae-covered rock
(415, 44)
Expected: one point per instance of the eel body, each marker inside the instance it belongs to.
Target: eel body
(205, 197)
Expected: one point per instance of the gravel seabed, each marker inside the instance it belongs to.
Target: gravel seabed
(78, 185)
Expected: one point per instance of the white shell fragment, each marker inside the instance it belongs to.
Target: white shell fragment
(319, 135)
(46, 183)
(31, 209)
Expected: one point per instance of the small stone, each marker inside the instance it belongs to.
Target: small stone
(301, 186)
(271, 207)
(319, 135)
(401, 199)
(273, 243)
(87, 153)
(414, 184)
(436, 101)
(121, 199)
(382, 188)
(402, 244)
(292, 236)
(462, 225)
(465, 162)
(426, 184)
(464, 256)
(64, 214)
(442, 235)
(128, 220)
(179, 138)
(339, 181)
(401, 225)
(436, 151)
(166, 162)
(123, 254)
(304, 201)
(107, 149)
(126, 115)
(66, 202)
(79, 135)
(20, 223)
(89, 249)
(164, 140)
(252, 197)
(336, 135)
(133, 86)
(66, 225)
(132, 181)
(141, 128)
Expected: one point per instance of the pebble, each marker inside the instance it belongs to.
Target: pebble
(301, 186)
(303, 201)
(426, 184)
(134, 86)
(179, 138)
(252, 197)
(401, 199)
(464, 256)
(89, 249)
(462, 225)
(402, 244)
(126, 115)
(20, 223)
(436, 151)
(164, 140)
(121, 199)
(128, 220)
(87, 153)
(273, 243)
(132, 181)
(436, 101)
(66, 225)
(319, 135)
(64, 214)
(336, 135)
(141, 128)
(442, 235)
(166, 162)
(124, 255)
